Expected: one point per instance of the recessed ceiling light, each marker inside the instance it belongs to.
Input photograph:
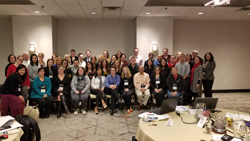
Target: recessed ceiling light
(93, 13)
(148, 13)
(200, 13)
(37, 12)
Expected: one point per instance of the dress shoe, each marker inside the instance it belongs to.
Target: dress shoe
(111, 112)
(131, 110)
(139, 107)
(128, 111)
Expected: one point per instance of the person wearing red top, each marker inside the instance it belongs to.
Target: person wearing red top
(172, 62)
(26, 83)
(123, 63)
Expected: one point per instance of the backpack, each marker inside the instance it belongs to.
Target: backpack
(30, 127)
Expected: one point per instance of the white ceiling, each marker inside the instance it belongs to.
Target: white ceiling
(130, 9)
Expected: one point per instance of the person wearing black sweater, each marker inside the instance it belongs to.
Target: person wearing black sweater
(176, 84)
(50, 70)
(127, 87)
(133, 67)
(158, 86)
(149, 67)
(165, 69)
(11, 98)
(61, 89)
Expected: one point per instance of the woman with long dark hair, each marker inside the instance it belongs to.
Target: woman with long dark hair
(149, 68)
(80, 90)
(165, 69)
(11, 98)
(50, 70)
(97, 88)
(208, 74)
(90, 70)
(67, 69)
(105, 67)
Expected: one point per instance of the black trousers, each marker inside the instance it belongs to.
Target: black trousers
(186, 95)
(99, 95)
(114, 96)
(44, 105)
(159, 97)
(193, 94)
(126, 96)
(207, 85)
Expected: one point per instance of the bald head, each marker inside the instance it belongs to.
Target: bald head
(141, 69)
(25, 56)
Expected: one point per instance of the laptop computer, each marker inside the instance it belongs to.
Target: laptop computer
(210, 102)
(168, 105)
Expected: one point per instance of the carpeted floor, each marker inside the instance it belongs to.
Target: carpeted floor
(119, 127)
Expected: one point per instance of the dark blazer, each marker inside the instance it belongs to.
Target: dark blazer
(162, 84)
(11, 84)
(209, 70)
(130, 81)
(6, 68)
(76, 58)
(133, 70)
(179, 81)
(85, 59)
(53, 69)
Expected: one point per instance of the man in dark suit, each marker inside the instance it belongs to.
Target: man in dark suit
(133, 67)
(88, 56)
(73, 56)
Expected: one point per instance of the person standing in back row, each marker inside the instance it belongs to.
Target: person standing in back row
(184, 70)
(138, 58)
(165, 55)
(208, 74)
(73, 56)
(133, 67)
(88, 56)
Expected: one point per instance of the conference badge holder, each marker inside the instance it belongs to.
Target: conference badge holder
(175, 87)
(19, 89)
(61, 87)
(43, 89)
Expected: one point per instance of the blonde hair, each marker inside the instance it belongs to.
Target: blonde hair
(57, 59)
(66, 55)
(39, 54)
(129, 73)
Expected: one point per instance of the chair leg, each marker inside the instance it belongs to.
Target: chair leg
(89, 104)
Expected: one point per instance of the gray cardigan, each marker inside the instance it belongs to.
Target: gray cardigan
(32, 72)
(74, 84)
(209, 70)
(197, 76)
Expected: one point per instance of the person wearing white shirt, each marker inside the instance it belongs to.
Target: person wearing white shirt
(97, 88)
(82, 63)
(139, 60)
(26, 60)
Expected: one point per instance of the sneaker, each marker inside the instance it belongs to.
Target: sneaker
(76, 111)
(84, 112)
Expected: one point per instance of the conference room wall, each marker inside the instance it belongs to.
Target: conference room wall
(228, 41)
(96, 36)
(6, 44)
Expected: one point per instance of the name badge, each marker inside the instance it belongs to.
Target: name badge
(157, 81)
(43, 89)
(19, 89)
(175, 87)
(125, 82)
(61, 86)
(50, 76)
(204, 73)
(143, 86)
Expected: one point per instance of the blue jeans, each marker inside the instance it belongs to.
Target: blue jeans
(179, 94)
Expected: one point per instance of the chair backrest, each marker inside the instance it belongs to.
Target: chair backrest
(32, 112)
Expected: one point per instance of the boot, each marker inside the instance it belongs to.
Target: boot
(64, 104)
(59, 109)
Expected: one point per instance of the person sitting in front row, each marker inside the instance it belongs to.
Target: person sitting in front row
(141, 83)
(41, 93)
(97, 88)
(176, 84)
(80, 90)
(112, 83)
(61, 85)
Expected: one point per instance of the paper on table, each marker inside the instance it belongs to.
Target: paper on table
(218, 137)
(170, 122)
(13, 126)
(160, 117)
(181, 109)
(192, 111)
(5, 119)
(234, 116)
(202, 121)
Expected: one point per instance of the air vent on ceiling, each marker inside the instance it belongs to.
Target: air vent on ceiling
(112, 9)
(16, 2)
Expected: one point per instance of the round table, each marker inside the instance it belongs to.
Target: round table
(178, 131)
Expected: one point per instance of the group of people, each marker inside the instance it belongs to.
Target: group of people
(76, 77)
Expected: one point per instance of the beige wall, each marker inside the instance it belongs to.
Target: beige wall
(96, 36)
(6, 44)
(32, 29)
(154, 29)
(229, 41)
